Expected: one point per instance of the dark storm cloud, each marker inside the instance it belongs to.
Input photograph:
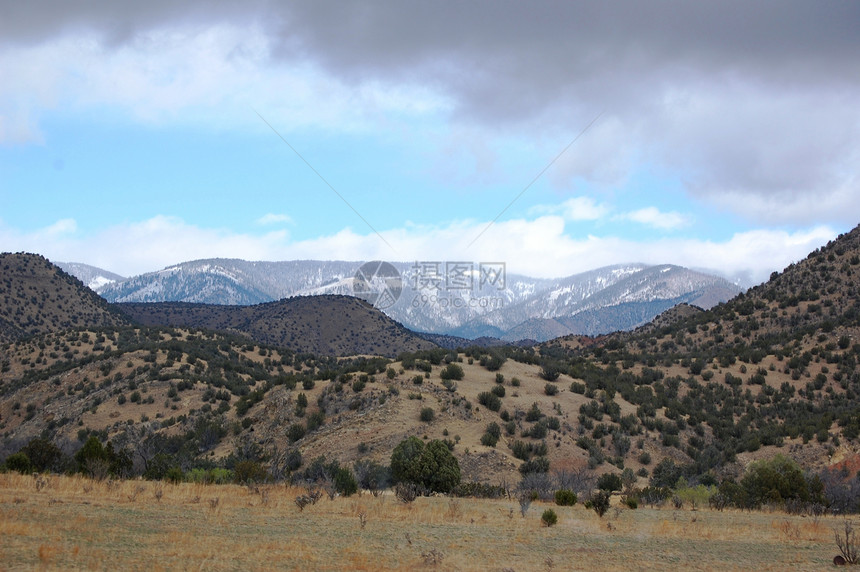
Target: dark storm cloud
(741, 97)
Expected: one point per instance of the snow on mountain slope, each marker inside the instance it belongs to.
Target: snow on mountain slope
(95, 278)
(478, 308)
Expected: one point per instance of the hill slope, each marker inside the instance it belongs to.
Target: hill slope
(36, 297)
(325, 325)
(697, 394)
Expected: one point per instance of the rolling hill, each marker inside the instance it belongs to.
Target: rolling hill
(697, 394)
(37, 297)
(323, 325)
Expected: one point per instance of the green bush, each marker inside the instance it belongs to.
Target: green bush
(43, 454)
(549, 518)
(600, 503)
(19, 462)
(295, 432)
(345, 482)
(316, 420)
(565, 497)
(174, 475)
(452, 371)
(249, 472)
(490, 400)
(491, 435)
(609, 482)
(431, 466)
(550, 389)
(498, 390)
(537, 465)
(427, 414)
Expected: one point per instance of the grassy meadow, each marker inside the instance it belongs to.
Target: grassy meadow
(74, 523)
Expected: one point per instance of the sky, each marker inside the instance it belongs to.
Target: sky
(556, 137)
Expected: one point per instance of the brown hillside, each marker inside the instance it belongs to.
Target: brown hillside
(323, 325)
(37, 297)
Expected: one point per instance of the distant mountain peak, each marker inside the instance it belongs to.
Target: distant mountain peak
(525, 308)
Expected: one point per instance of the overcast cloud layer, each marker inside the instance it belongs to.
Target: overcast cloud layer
(752, 105)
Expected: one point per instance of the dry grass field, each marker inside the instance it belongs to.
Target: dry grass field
(73, 523)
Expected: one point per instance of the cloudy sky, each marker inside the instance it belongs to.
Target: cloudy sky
(554, 136)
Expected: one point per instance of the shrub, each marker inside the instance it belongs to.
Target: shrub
(452, 371)
(521, 450)
(550, 389)
(609, 482)
(538, 431)
(549, 518)
(19, 462)
(600, 503)
(43, 454)
(538, 465)
(427, 414)
(431, 466)
(406, 492)
(549, 372)
(498, 390)
(174, 475)
(490, 401)
(249, 472)
(565, 497)
(492, 435)
(316, 420)
(344, 482)
(371, 475)
(295, 432)
(534, 414)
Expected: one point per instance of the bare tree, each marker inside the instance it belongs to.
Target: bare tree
(846, 541)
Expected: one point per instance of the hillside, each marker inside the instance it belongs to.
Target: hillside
(773, 370)
(36, 297)
(323, 325)
(698, 394)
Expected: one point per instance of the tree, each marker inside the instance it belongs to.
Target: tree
(609, 482)
(774, 480)
(666, 474)
(404, 460)
(99, 461)
(44, 455)
(439, 468)
(432, 466)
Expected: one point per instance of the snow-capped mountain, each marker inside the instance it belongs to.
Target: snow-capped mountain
(461, 299)
(95, 278)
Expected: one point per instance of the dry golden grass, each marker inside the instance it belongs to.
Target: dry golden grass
(76, 523)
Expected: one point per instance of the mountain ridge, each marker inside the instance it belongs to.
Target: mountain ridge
(484, 310)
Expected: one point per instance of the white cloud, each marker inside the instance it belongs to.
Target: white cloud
(211, 78)
(272, 218)
(575, 209)
(537, 247)
(653, 217)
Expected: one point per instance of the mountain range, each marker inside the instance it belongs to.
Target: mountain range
(464, 300)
